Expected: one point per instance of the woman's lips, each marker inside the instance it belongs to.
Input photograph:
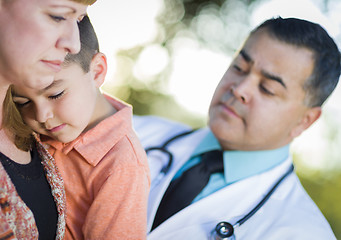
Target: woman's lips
(55, 65)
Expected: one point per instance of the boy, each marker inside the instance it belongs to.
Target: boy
(34, 39)
(90, 135)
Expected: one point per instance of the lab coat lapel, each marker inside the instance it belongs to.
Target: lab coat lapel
(202, 216)
(181, 149)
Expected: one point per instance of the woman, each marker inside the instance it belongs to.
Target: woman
(35, 36)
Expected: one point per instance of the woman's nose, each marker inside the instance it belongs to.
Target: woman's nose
(69, 39)
(43, 113)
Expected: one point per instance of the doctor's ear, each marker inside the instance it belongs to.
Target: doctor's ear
(99, 67)
(309, 117)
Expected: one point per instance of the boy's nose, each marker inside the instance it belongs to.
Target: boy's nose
(43, 114)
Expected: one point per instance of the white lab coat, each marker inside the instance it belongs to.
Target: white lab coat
(288, 214)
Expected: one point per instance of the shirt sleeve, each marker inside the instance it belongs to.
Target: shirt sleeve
(119, 209)
(5, 230)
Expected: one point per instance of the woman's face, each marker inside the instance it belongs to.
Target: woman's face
(35, 36)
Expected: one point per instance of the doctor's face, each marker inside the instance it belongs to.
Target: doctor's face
(35, 36)
(259, 102)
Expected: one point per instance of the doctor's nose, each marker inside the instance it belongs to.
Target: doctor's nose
(242, 91)
(43, 113)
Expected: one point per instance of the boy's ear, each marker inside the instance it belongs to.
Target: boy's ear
(310, 116)
(98, 67)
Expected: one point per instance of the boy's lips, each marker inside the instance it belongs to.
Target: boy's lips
(56, 129)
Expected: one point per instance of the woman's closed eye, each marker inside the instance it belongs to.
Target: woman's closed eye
(57, 18)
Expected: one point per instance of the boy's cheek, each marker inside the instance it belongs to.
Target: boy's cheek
(31, 123)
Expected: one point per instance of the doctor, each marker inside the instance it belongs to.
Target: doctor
(272, 91)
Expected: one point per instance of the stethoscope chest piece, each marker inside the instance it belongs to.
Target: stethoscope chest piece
(223, 231)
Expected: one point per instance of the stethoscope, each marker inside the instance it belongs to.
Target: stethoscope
(223, 230)
(163, 148)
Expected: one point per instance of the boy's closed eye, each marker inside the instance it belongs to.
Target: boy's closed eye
(21, 102)
(57, 95)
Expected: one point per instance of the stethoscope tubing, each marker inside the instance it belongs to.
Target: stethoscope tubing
(163, 148)
(225, 230)
(266, 197)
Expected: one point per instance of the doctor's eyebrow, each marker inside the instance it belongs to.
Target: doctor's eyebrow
(266, 74)
(246, 56)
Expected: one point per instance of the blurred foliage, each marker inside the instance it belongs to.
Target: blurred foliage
(324, 189)
(218, 25)
(208, 23)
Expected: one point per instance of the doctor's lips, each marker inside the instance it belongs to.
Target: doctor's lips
(55, 65)
(229, 110)
(57, 128)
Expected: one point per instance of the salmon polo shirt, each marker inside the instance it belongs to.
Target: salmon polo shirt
(106, 176)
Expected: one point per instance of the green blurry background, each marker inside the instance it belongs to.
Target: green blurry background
(146, 73)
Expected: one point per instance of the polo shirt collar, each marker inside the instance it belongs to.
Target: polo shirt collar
(94, 144)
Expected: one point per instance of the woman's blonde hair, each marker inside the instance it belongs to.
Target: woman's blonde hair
(13, 122)
(86, 2)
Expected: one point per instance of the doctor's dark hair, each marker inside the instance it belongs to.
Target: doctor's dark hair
(89, 46)
(312, 36)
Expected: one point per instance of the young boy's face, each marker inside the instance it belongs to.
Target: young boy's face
(64, 109)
